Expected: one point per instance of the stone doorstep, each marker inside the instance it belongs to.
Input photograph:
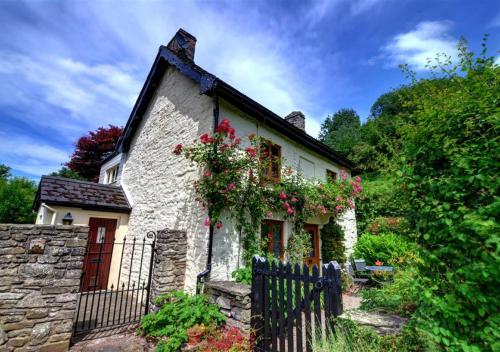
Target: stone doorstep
(381, 322)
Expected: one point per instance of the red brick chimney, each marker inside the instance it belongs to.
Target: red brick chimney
(183, 45)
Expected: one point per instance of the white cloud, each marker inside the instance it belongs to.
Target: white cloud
(427, 40)
(323, 8)
(30, 156)
(85, 91)
(497, 60)
(495, 22)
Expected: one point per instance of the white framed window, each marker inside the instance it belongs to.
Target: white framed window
(112, 174)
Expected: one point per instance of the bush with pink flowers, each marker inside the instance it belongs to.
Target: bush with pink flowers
(232, 183)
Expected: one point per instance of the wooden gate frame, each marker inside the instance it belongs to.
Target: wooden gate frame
(269, 332)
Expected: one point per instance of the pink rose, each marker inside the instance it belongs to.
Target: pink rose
(207, 222)
(218, 224)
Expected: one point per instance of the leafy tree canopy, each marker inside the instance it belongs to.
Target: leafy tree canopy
(16, 198)
(341, 131)
(91, 150)
(67, 173)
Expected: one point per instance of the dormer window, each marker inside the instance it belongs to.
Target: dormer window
(270, 154)
(111, 174)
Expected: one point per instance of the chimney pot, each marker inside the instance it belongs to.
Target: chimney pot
(297, 119)
(183, 45)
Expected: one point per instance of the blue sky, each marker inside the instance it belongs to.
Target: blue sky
(67, 67)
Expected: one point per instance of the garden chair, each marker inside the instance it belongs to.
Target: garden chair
(359, 281)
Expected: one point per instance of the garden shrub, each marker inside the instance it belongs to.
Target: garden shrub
(332, 243)
(398, 297)
(178, 312)
(243, 275)
(387, 248)
(382, 198)
(451, 182)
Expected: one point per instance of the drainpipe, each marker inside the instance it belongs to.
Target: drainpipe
(208, 268)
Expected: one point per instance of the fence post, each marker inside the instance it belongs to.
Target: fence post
(338, 307)
(256, 321)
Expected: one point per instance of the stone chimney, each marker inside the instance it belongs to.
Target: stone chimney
(297, 119)
(183, 45)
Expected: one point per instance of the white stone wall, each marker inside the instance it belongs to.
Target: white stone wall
(227, 253)
(158, 183)
(348, 223)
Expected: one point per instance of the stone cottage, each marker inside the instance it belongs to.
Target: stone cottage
(144, 187)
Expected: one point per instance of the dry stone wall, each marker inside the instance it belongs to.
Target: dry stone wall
(170, 262)
(40, 269)
(234, 301)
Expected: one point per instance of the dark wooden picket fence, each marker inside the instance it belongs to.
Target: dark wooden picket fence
(283, 299)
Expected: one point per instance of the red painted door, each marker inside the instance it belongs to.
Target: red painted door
(312, 231)
(97, 260)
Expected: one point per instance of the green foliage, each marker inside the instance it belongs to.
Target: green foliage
(351, 337)
(16, 198)
(341, 131)
(298, 247)
(332, 243)
(178, 312)
(67, 173)
(381, 198)
(243, 275)
(450, 179)
(4, 172)
(401, 296)
(388, 248)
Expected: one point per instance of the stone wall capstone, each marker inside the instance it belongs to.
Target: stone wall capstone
(169, 272)
(40, 270)
(234, 301)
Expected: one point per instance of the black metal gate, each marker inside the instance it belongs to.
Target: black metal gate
(283, 299)
(115, 284)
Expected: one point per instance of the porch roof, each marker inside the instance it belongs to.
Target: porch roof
(54, 190)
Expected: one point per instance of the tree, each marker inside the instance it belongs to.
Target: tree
(4, 172)
(16, 198)
(67, 173)
(341, 131)
(92, 149)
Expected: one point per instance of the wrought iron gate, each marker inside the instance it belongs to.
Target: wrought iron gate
(116, 283)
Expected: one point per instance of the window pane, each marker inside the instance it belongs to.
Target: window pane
(275, 168)
(277, 240)
(101, 232)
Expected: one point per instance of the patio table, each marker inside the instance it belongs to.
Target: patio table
(379, 268)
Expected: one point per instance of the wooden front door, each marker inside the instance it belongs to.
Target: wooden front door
(313, 259)
(97, 260)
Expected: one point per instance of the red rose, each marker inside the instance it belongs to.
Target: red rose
(251, 152)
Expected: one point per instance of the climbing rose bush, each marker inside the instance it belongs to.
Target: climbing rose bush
(233, 182)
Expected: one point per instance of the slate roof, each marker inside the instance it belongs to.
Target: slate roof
(215, 87)
(81, 194)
